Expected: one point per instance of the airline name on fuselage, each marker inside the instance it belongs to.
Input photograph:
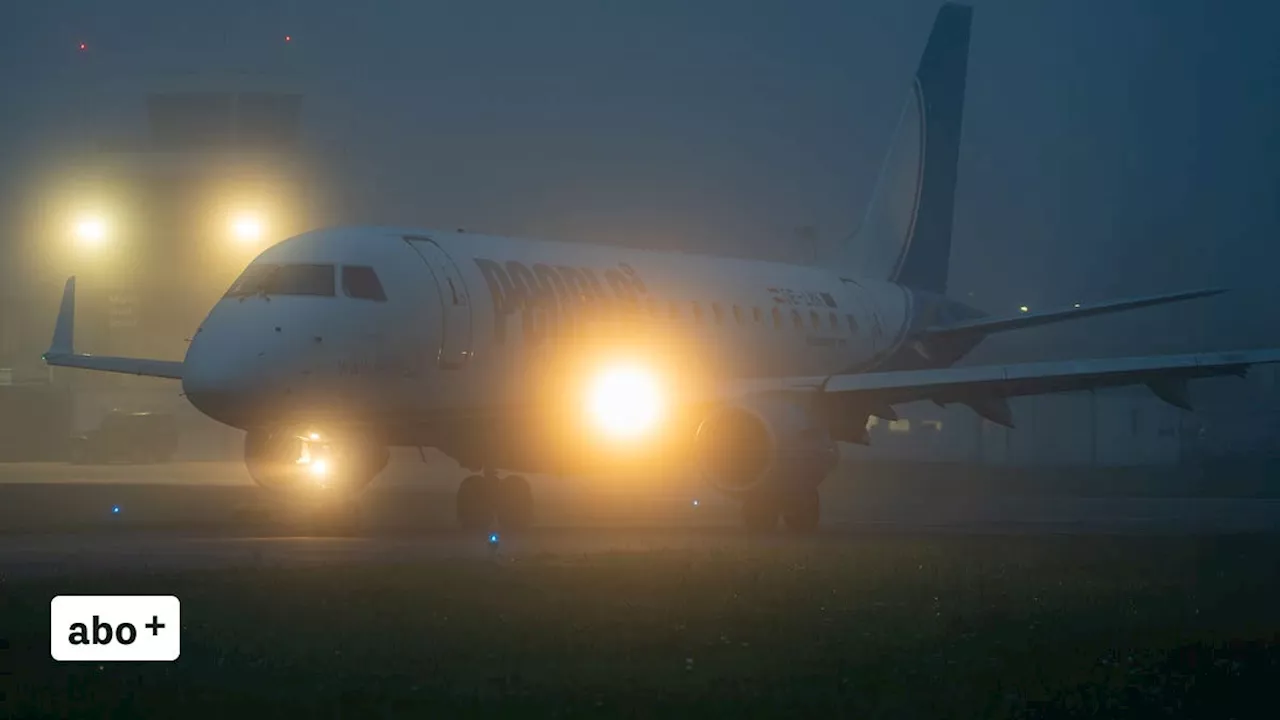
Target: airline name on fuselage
(549, 298)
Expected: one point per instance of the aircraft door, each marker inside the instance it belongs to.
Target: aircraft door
(455, 304)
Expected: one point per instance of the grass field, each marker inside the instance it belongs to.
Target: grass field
(937, 627)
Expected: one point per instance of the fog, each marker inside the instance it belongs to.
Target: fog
(1108, 150)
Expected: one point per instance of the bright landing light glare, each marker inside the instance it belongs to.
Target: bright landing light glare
(625, 402)
(246, 227)
(91, 230)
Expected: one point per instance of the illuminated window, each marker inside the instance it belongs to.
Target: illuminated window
(796, 320)
(853, 324)
(900, 426)
(814, 320)
(756, 315)
(361, 282)
(718, 313)
(835, 321)
(737, 314)
(934, 425)
(872, 422)
(777, 319)
(697, 312)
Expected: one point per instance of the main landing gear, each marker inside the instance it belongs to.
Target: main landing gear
(799, 509)
(484, 498)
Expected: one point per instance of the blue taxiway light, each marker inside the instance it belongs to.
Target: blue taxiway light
(115, 509)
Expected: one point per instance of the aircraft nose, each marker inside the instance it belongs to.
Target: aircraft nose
(226, 374)
(218, 379)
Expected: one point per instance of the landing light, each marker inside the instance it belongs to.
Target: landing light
(1024, 308)
(319, 468)
(625, 401)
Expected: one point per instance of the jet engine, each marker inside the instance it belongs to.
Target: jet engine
(764, 442)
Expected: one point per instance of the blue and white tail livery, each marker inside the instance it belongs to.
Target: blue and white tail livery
(905, 236)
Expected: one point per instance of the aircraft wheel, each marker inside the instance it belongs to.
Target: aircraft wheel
(475, 503)
(515, 503)
(760, 512)
(802, 510)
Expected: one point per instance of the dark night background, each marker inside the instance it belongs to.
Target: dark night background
(1110, 148)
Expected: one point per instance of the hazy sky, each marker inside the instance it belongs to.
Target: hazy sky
(1111, 147)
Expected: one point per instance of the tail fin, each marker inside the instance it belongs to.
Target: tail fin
(905, 236)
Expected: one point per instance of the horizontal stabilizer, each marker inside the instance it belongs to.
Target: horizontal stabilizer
(62, 348)
(987, 326)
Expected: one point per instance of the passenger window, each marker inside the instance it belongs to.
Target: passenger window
(853, 325)
(796, 320)
(777, 319)
(718, 312)
(361, 282)
(756, 315)
(697, 312)
(737, 314)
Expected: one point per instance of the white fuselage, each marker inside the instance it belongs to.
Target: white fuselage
(466, 315)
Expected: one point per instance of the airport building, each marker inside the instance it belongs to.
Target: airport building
(155, 219)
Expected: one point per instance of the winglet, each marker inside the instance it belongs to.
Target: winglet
(64, 330)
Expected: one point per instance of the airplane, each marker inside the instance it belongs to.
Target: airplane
(519, 355)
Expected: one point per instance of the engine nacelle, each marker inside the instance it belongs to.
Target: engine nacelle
(764, 442)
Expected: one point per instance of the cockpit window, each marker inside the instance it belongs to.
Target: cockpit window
(250, 280)
(301, 279)
(360, 281)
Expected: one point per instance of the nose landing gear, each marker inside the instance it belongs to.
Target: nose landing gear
(484, 498)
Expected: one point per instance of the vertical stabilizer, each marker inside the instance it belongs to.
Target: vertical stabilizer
(905, 235)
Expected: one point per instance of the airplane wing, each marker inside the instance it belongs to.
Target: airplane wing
(62, 354)
(960, 383)
(987, 388)
(986, 326)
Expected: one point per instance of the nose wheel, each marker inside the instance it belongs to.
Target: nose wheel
(482, 499)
